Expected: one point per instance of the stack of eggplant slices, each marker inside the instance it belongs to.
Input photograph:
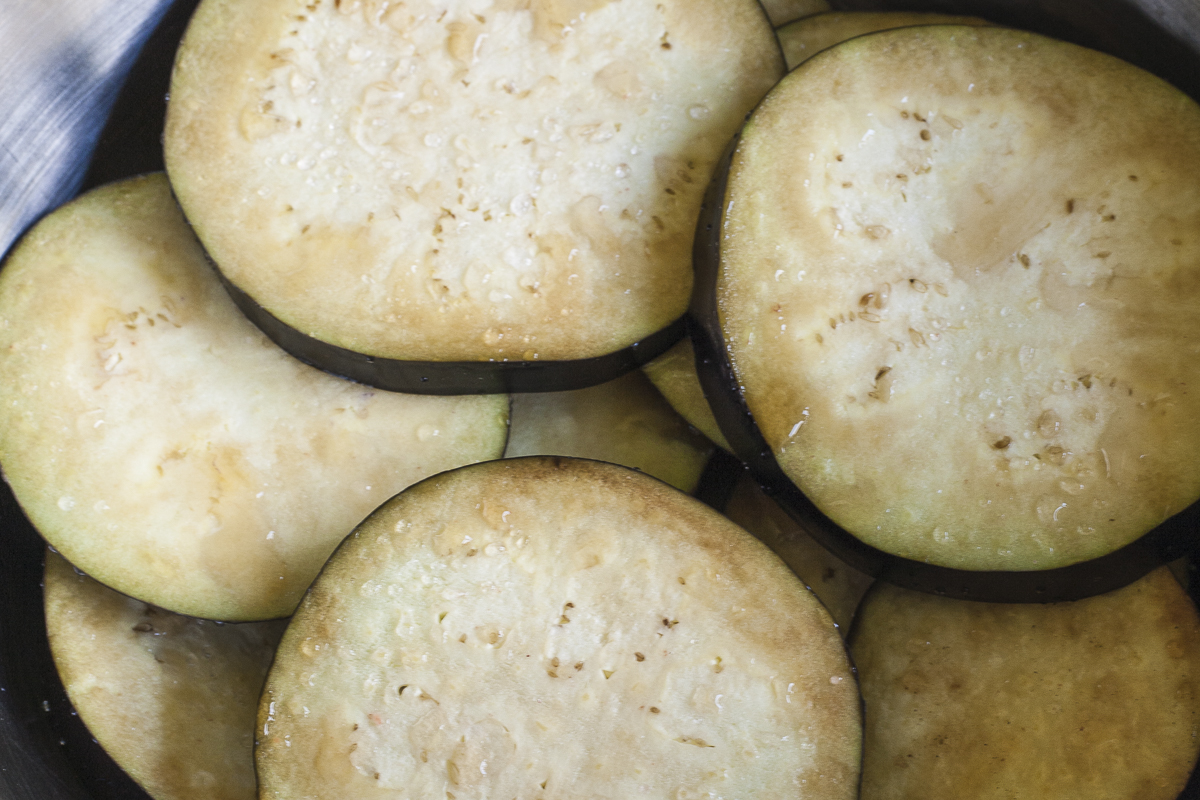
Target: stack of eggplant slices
(931, 287)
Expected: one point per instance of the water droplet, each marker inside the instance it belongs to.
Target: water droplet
(521, 204)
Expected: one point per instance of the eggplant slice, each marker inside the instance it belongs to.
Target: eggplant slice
(835, 583)
(171, 698)
(782, 12)
(453, 197)
(624, 421)
(804, 38)
(1097, 699)
(674, 375)
(164, 446)
(980, 272)
(547, 627)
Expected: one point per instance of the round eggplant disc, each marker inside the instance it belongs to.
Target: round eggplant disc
(164, 446)
(960, 287)
(170, 698)
(463, 181)
(547, 627)
(1096, 699)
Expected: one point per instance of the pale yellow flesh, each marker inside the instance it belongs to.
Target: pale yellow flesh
(625, 421)
(782, 12)
(977, 252)
(674, 375)
(170, 698)
(163, 445)
(462, 180)
(1093, 700)
(804, 38)
(559, 629)
(835, 583)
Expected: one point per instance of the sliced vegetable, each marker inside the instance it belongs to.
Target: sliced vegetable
(835, 583)
(804, 38)
(170, 698)
(625, 421)
(1097, 699)
(455, 197)
(557, 627)
(163, 445)
(958, 308)
(674, 375)
(782, 12)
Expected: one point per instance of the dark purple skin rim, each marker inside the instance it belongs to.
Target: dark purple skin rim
(1174, 538)
(454, 377)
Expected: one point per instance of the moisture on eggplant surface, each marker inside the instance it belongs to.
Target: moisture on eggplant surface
(163, 445)
(546, 627)
(171, 698)
(464, 182)
(982, 266)
(1097, 699)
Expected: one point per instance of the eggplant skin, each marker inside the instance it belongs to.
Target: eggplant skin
(456, 377)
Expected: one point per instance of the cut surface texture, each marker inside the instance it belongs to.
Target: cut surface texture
(1097, 699)
(804, 38)
(624, 421)
(557, 628)
(170, 698)
(960, 288)
(461, 180)
(164, 446)
(835, 583)
(674, 375)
